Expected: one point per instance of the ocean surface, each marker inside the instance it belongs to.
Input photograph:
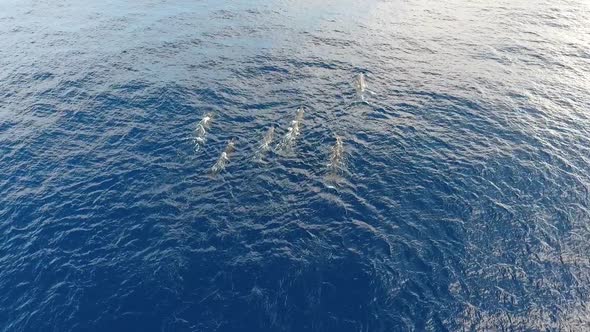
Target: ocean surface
(460, 201)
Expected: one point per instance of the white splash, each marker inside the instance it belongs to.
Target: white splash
(200, 137)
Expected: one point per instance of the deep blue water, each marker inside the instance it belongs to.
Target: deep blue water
(463, 202)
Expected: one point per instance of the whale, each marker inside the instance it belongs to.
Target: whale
(336, 161)
(267, 139)
(336, 164)
(265, 144)
(360, 83)
(293, 132)
(223, 159)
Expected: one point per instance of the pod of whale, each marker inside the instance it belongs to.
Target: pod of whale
(337, 158)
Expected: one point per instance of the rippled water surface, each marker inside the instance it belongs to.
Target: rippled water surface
(460, 202)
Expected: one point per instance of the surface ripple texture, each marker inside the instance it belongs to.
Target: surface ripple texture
(460, 202)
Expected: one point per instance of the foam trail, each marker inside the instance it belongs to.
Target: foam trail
(224, 158)
(265, 145)
(201, 131)
(292, 132)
